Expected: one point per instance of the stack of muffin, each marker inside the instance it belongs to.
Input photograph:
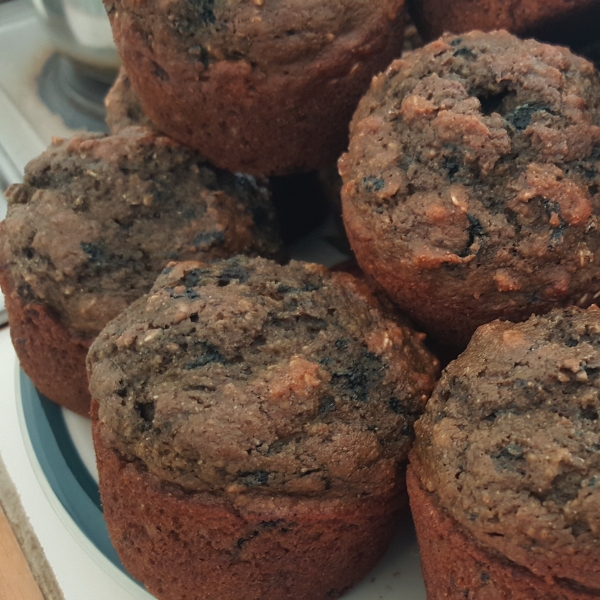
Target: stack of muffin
(252, 421)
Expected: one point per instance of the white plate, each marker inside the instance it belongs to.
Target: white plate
(62, 456)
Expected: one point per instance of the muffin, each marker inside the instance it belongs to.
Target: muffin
(266, 88)
(95, 221)
(123, 108)
(504, 475)
(470, 189)
(562, 21)
(251, 424)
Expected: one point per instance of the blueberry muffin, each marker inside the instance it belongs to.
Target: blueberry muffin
(266, 88)
(252, 424)
(504, 479)
(470, 189)
(561, 21)
(94, 223)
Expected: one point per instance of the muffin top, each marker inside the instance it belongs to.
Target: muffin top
(509, 442)
(244, 375)
(475, 160)
(98, 217)
(263, 33)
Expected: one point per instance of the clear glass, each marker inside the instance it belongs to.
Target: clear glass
(80, 29)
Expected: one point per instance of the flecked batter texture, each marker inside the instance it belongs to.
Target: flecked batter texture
(94, 223)
(266, 88)
(247, 387)
(562, 21)
(471, 183)
(507, 463)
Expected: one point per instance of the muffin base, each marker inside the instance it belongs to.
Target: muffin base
(186, 546)
(456, 567)
(48, 352)
(279, 123)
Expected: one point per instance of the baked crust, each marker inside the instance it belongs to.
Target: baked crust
(51, 355)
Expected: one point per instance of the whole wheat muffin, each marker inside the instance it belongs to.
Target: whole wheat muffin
(504, 479)
(252, 428)
(563, 21)
(266, 88)
(95, 221)
(471, 183)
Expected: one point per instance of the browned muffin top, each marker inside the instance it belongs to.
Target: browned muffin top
(98, 217)
(245, 375)
(472, 176)
(510, 442)
(266, 33)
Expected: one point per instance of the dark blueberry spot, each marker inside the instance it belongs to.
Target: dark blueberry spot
(521, 116)
(284, 289)
(456, 42)
(209, 238)
(571, 342)
(167, 270)
(275, 524)
(593, 481)
(364, 374)
(475, 230)
(233, 273)
(556, 236)
(589, 413)
(397, 406)
(160, 72)
(205, 11)
(96, 253)
(341, 344)
(373, 184)
(508, 458)
(484, 576)
(29, 253)
(191, 294)
(198, 52)
(593, 189)
(465, 52)
(253, 478)
(452, 165)
(310, 287)
(145, 410)
(194, 277)
(241, 541)
(207, 354)
(122, 392)
(326, 405)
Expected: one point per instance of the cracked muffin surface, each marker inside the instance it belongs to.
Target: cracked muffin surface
(98, 217)
(471, 182)
(247, 376)
(271, 85)
(508, 446)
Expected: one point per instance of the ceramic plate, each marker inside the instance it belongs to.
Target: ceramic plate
(63, 453)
